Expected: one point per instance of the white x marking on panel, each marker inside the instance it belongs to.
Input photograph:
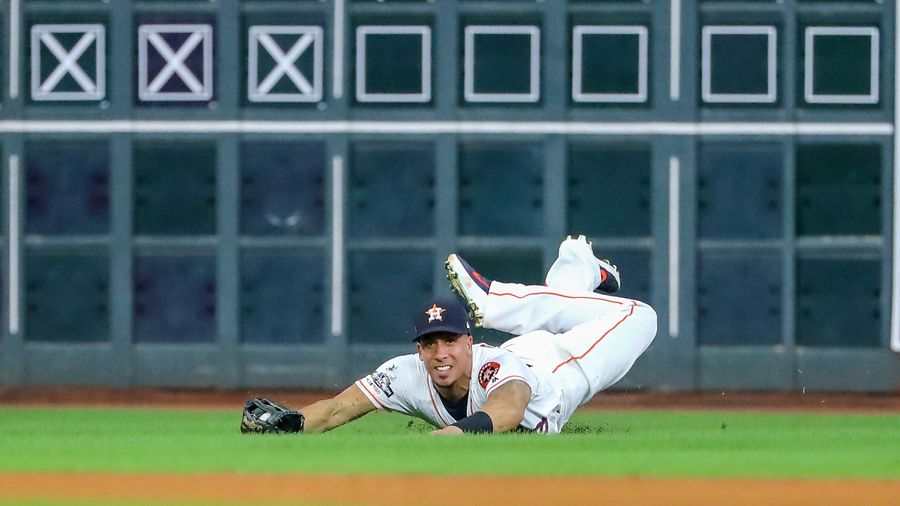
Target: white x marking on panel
(68, 62)
(285, 63)
(175, 62)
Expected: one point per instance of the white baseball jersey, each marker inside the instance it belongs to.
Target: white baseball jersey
(572, 343)
(403, 385)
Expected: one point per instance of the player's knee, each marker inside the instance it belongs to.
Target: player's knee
(648, 317)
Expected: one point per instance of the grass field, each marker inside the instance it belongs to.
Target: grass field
(645, 443)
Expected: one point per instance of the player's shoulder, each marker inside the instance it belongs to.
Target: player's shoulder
(490, 364)
(396, 375)
(394, 384)
(404, 371)
(484, 352)
(402, 364)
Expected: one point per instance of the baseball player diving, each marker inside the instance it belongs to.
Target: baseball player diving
(574, 340)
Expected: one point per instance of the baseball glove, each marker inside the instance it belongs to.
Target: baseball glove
(263, 416)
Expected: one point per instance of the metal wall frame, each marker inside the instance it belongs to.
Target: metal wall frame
(674, 123)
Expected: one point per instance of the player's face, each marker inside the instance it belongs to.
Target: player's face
(447, 357)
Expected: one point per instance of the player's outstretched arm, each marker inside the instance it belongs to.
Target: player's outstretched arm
(505, 407)
(330, 413)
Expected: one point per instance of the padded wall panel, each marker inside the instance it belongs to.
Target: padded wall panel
(739, 299)
(739, 191)
(67, 187)
(282, 189)
(838, 302)
(392, 190)
(174, 299)
(282, 298)
(839, 189)
(67, 297)
(174, 188)
(386, 288)
(609, 190)
(500, 189)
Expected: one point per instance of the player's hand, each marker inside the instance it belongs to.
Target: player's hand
(450, 430)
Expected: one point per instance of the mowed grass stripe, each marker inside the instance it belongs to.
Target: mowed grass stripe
(646, 443)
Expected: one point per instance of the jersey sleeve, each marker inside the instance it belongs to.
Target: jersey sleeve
(503, 368)
(387, 386)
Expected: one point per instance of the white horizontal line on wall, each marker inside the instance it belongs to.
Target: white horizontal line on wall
(441, 127)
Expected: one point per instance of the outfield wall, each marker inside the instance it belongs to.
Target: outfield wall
(259, 193)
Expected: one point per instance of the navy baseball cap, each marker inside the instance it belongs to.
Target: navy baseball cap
(442, 315)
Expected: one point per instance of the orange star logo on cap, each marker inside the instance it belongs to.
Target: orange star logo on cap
(435, 313)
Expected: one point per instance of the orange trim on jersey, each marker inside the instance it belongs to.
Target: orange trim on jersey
(372, 396)
(433, 403)
(557, 294)
(598, 340)
(504, 380)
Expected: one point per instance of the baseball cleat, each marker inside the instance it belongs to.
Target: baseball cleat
(609, 276)
(472, 287)
(610, 281)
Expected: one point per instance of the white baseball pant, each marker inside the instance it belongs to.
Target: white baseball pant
(584, 341)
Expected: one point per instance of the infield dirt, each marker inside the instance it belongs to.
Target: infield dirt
(423, 490)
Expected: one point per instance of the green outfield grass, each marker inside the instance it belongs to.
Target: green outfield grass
(659, 444)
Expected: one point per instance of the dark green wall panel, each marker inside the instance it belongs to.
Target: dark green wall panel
(392, 189)
(174, 188)
(739, 299)
(174, 299)
(609, 190)
(385, 291)
(67, 297)
(282, 298)
(740, 190)
(500, 189)
(839, 189)
(838, 302)
(257, 236)
(67, 187)
(282, 189)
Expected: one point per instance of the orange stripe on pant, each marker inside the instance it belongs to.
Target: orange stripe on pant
(579, 357)
(556, 294)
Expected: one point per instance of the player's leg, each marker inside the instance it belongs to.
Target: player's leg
(567, 301)
(577, 268)
(587, 341)
(600, 350)
(590, 357)
(603, 350)
(519, 309)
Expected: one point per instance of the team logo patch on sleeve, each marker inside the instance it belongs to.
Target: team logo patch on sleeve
(487, 373)
(382, 382)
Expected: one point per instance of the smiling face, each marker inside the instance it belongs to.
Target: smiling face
(447, 358)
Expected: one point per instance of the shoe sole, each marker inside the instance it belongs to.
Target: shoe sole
(475, 313)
